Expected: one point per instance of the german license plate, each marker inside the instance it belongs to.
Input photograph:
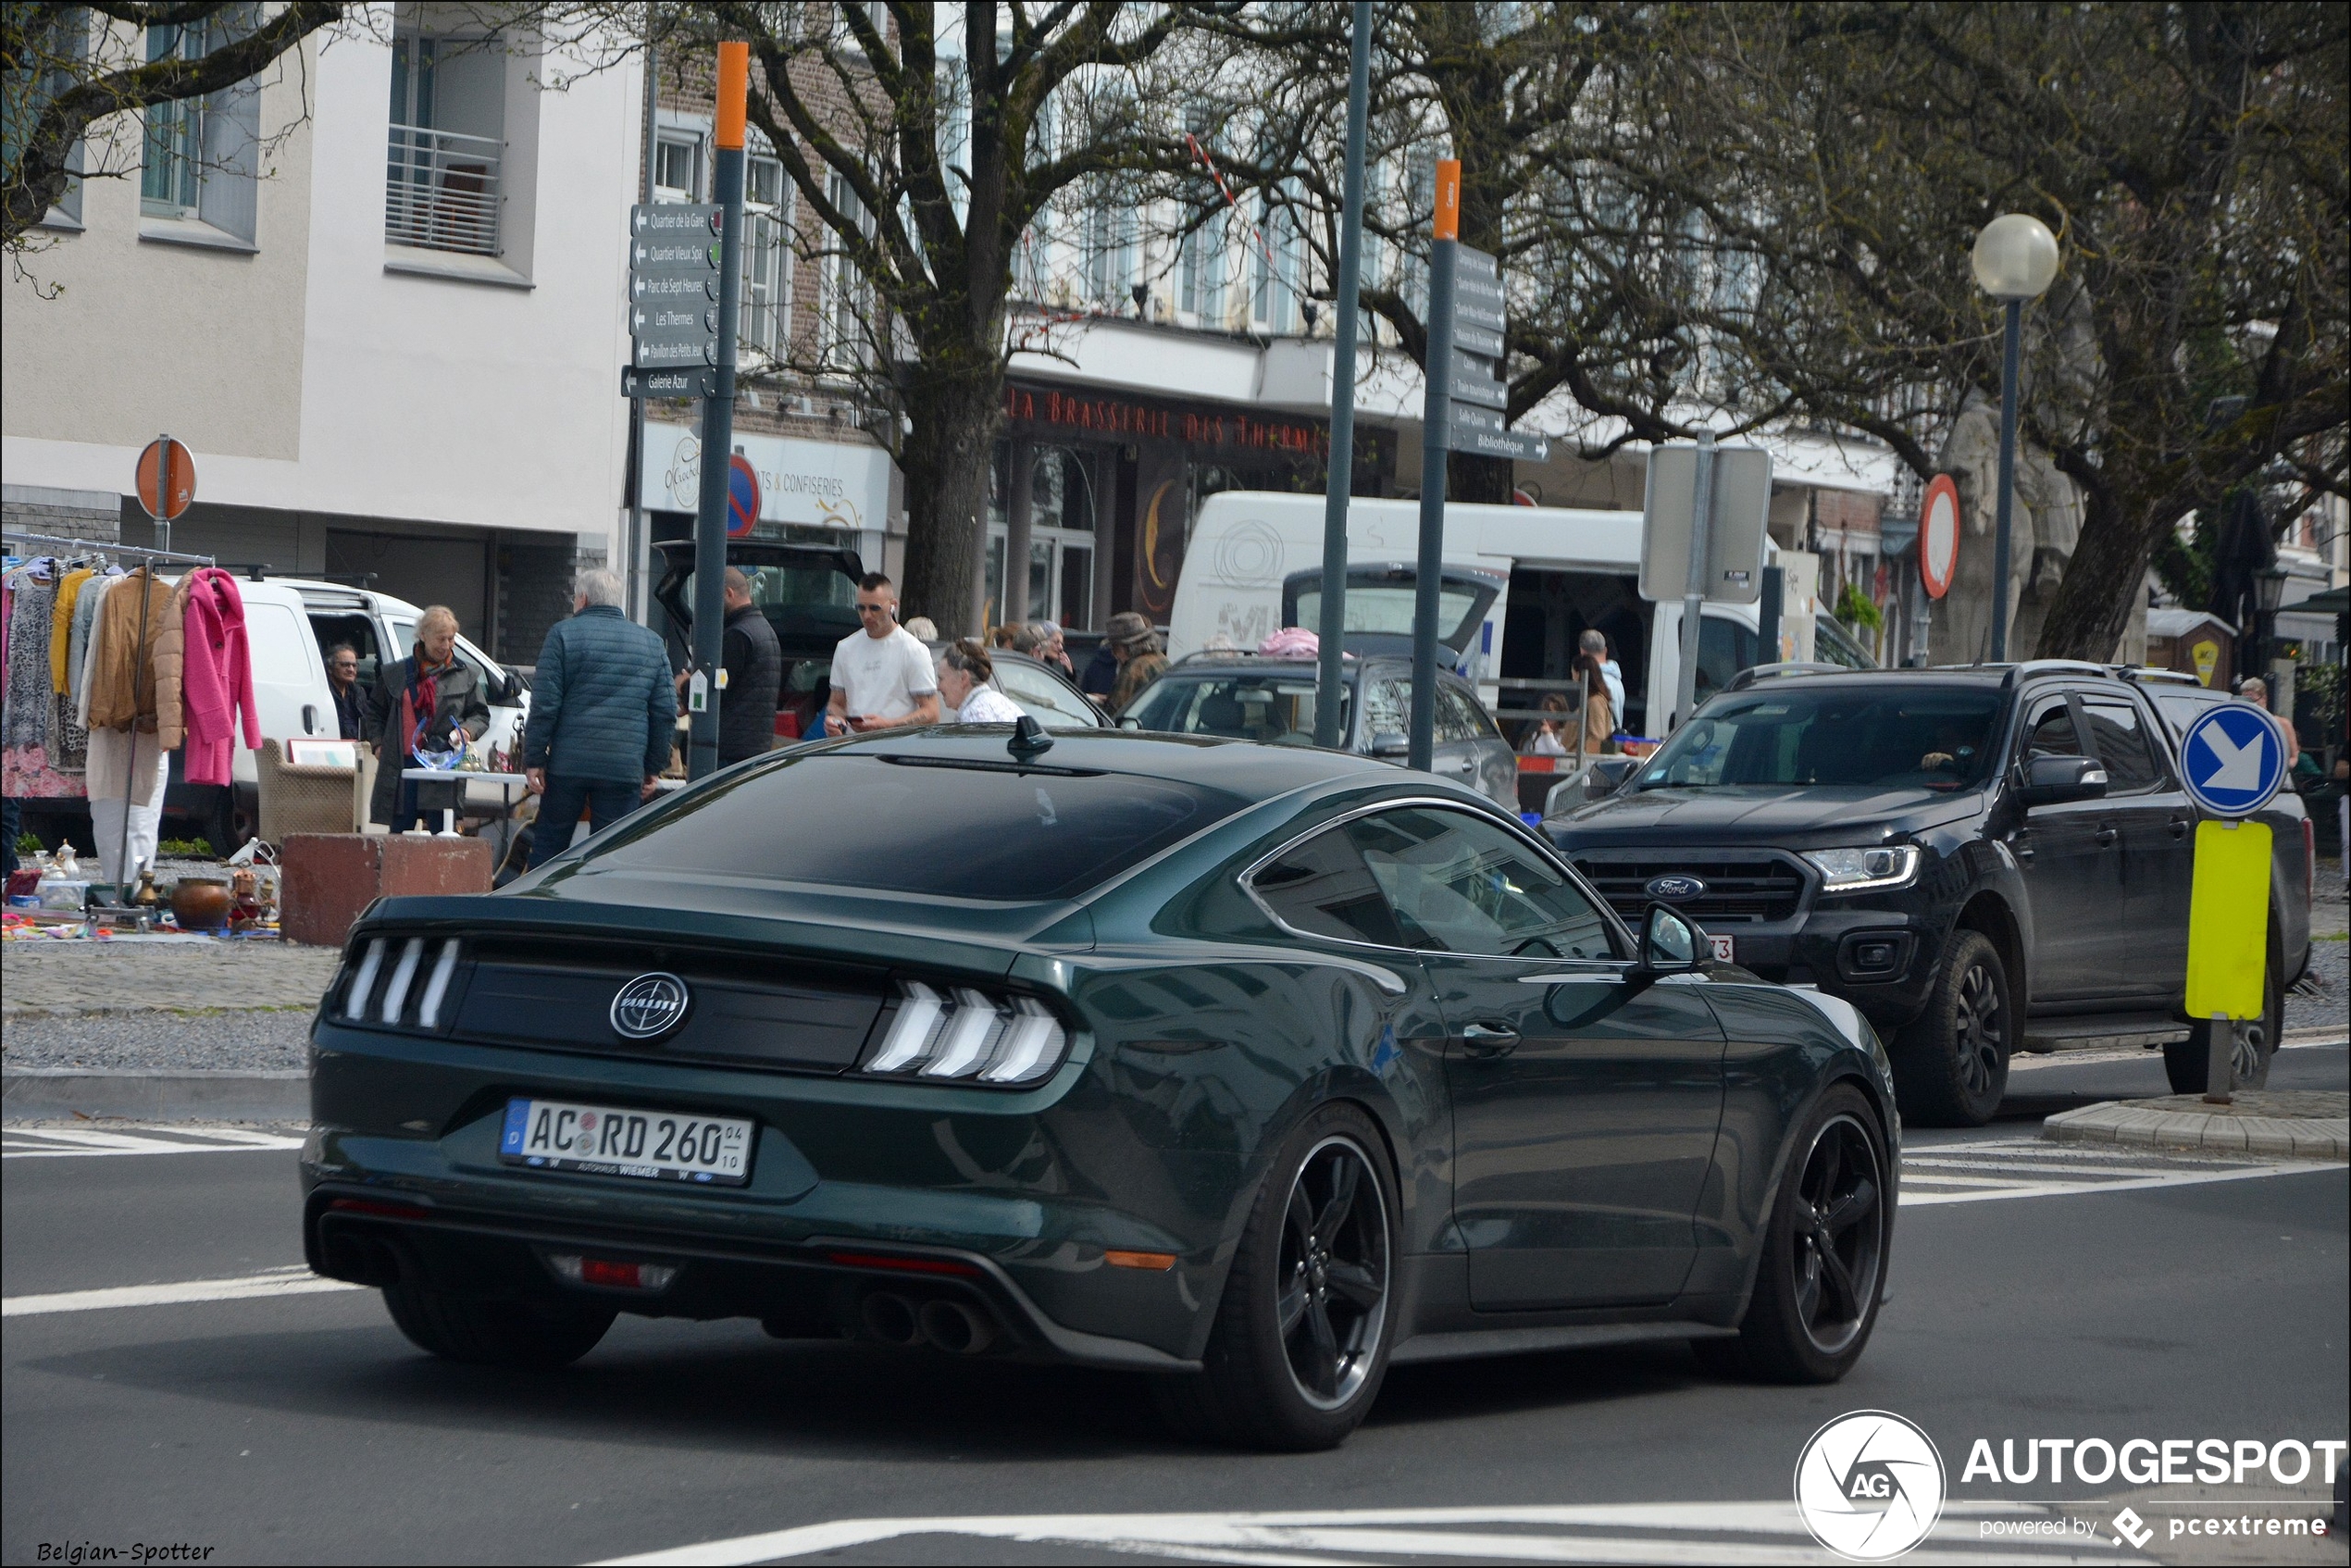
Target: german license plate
(558, 1134)
(1724, 948)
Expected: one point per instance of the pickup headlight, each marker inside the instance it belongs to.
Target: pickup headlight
(1862, 871)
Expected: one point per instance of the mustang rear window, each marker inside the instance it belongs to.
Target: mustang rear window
(863, 821)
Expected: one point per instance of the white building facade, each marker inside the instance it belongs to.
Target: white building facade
(382, 307)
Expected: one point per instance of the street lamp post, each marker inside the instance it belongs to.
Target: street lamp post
(2015, 260)
(2268, 589)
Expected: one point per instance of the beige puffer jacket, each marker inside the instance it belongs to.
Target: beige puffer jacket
(119, 690)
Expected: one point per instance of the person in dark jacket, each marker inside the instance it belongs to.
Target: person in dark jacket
(755, 666)
(430, 701)
(343, 685)
(603, 716)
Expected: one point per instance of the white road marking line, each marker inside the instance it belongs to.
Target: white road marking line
(296, 1280)
(1684, 1533)
(56, 1143)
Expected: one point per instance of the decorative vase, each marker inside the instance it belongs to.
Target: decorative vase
(200, 904)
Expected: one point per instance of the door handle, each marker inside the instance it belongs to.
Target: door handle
(2106, 836)
(2179, 827)
(1489, 1039)
(309, 717)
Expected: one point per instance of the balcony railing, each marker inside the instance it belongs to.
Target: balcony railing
(440, 190)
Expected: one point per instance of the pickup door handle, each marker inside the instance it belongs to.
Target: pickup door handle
(1489, 1039)
(2179, 827)
(2106, 836)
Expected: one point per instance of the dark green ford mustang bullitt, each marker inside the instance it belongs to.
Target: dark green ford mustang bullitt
(1258, 1068)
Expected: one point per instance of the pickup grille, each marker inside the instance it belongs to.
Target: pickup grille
(1749, 892)
(743, 1011)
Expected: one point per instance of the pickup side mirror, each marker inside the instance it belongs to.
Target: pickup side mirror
(1391, 746)
(1128, 721)
(1669, 942)
(2050, 781)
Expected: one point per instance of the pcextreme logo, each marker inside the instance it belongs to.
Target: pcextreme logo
(1870, 1485)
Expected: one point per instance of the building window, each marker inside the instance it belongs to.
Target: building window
(845, 291)
(57, 41)
(677, 167)
(1060, 538)
(441, 190)
(1274, 269)
(1110, 250)
(199, 155)
(1200, 273)
(766, 292)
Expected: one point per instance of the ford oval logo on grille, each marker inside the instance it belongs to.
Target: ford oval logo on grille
(1675, 888)
(649, 1007)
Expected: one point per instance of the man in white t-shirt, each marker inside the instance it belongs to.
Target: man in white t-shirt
(882, 677)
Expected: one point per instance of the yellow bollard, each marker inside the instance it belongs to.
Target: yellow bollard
(2228, 936)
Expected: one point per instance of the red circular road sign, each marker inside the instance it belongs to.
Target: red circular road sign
(183, 480)
(1939, 535)
(742, 496)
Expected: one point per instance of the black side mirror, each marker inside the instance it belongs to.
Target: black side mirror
(1391, 746)
(1669, 942)
(2050, 781)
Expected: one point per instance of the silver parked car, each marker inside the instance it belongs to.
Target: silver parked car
(1248, 698)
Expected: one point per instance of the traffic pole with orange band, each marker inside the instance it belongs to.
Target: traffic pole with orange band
(718, 417)
(1436, 413)
(734, 87)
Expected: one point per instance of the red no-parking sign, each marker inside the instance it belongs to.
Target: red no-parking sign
(1939, 535)
(742, 496)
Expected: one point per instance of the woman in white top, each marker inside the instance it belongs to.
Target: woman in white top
(965, 671)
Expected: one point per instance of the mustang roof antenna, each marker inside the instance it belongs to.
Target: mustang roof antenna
(1030, 740)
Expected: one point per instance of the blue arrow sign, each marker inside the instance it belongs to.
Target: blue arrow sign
(2232, 759)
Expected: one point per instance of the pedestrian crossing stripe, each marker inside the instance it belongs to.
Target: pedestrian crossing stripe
(1990, 1170)
(36, 1142)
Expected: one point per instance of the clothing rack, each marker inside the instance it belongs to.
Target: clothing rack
(130, 771)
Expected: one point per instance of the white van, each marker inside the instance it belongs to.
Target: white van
(1254, 554)
(289, 623)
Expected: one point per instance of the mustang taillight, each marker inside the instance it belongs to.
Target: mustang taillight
(398, 961)
(968, 1035)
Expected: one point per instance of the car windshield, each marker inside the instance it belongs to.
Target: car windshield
(1275, 705)
(1883, 739)
(919, 824)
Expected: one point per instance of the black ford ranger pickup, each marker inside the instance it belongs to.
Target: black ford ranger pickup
(1982, 860)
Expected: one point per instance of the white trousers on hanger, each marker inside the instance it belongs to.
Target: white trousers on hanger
(117, 769)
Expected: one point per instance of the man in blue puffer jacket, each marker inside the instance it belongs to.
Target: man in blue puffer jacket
(603, 715)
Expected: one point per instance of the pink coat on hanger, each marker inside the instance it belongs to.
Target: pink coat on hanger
(217, 676)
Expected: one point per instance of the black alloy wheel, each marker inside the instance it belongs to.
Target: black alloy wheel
(1818, 1284)
(1332, 1273)
(1951, 1063)
(1299, 1346)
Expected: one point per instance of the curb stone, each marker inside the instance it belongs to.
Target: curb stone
(2292, 1124)
(54, 1093)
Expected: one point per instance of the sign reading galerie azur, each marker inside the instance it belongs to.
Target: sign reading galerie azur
(822, 484)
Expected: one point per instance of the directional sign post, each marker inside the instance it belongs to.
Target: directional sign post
(1465, 409)
(2232, 761)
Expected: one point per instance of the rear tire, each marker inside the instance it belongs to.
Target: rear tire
(481, 1332)
(1823, 1264)
(1301, 1337)
(1951, 1064)
(2184, 1062)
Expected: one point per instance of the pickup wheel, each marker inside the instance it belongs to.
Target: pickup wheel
(1951, 1064)
(2184, 1062)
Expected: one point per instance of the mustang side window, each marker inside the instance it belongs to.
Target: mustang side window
(1459, 884)
(1323, 888)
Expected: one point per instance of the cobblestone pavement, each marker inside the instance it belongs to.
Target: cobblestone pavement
(83, 978)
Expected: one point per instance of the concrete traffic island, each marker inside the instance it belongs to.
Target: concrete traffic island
(2300, 1124)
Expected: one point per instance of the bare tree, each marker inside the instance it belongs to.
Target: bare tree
(2191, 158)
(1601, 272)
(926, 143)
(72, 69)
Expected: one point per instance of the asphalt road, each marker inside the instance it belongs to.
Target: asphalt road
(277, 1426)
